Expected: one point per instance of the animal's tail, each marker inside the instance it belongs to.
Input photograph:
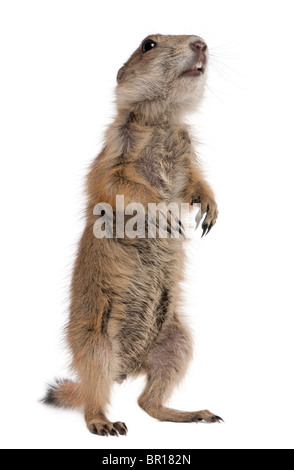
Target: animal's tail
(64, 393)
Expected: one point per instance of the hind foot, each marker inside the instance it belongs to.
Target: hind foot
(107, 428)
(205, 416)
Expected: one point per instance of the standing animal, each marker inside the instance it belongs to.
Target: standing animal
(125, 310)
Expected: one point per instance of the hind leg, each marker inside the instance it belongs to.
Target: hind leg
(94, 367)
(166, 365)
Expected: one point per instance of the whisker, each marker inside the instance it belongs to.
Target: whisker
(224, 66)
(226, 73)
(224, 47)
(215, 93)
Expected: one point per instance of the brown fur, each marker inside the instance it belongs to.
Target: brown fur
(125, 296)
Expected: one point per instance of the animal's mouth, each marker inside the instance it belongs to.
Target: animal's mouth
(196, 70)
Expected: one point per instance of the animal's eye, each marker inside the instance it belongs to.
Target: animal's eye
(148, 45)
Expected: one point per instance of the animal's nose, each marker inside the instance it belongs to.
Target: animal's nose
(198, 46)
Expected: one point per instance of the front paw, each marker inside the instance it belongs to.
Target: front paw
(208, 206)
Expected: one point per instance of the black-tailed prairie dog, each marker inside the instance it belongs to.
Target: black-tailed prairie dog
(125, 309)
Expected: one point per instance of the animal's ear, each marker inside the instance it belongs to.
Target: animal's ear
(120, 74)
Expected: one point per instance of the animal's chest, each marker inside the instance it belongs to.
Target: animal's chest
(163, 163)
(158, 168)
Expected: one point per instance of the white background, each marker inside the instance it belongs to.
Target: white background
(58, 64)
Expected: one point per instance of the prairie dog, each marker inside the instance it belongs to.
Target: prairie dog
(125, 317)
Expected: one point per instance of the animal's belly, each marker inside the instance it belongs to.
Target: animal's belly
(147, 304)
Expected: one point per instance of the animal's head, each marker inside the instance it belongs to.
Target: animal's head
(166, 71)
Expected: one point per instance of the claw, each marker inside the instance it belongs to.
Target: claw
(209, 228)
(180, 223)
(171, 226)
(176, 225)
(182, 233)
(219, 419)
(204, 226)
(167, 227)
(103, 431)
(215, 419)
(121, 428)
(181, 227)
